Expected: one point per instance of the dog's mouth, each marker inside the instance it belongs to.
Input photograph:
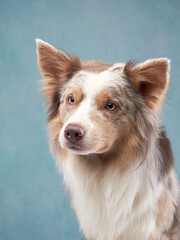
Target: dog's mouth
(75, 148)
(81, 149)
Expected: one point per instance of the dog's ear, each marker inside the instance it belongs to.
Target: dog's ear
(56, 68)
(54, 63)
(150, 79)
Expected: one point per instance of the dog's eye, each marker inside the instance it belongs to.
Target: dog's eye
(71, 100)
(111, 106)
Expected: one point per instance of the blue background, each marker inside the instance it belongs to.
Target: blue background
(33, 204)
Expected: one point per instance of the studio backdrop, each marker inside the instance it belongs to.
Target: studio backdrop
(33, 204)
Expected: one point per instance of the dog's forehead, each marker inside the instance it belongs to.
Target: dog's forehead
(93, 83)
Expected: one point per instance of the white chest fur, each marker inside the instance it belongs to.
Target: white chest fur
(112, 205)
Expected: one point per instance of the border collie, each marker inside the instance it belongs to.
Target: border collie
(109, 145)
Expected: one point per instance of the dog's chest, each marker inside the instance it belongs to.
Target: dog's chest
(111, 206)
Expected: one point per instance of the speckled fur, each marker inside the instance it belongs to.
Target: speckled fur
(123, 184)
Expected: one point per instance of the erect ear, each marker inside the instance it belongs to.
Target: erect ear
(150, 79)
(54, 63)
(56, 68)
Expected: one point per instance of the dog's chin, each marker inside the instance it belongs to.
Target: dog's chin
(83, 150)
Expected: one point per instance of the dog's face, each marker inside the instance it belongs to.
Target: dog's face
(96, 104)
(91, 111)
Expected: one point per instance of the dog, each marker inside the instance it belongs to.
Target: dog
(110, 146)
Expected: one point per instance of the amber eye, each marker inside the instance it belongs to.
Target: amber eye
(111, 106)
(71, 100)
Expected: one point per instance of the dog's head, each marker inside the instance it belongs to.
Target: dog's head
(95, 105)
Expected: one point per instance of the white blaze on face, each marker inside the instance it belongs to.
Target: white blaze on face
(91, 84)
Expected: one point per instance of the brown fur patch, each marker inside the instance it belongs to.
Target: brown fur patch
(167, 156)
(123, 152)
(165, 217)
(150, 79)
(50, 89)
(102, 98)
(95, 66)
(56, 68)
(77, 94)
(55, 126)
(174, 232)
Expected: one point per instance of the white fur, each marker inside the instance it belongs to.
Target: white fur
(119, 206)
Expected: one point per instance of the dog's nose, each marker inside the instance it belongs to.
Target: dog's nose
(73, 133)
